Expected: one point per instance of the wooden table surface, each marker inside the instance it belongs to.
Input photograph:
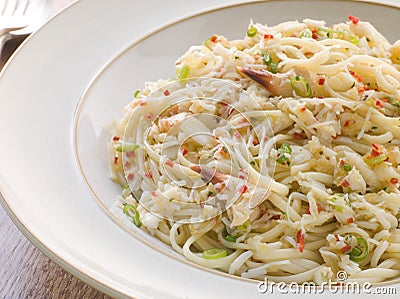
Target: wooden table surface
(25, 272)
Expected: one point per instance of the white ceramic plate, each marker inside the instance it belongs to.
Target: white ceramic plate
(40, 91)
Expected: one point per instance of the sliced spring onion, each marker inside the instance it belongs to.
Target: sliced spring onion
(244, 226)
(228, 237)
(360, 251)
(126, 148)
(305, 33)
(393, 102)
(252, 31)
(273, 68)
(208, 43)
(183, 73)
(371, 161)
(136, 93)
(214, 253)
(354, 39)
(267, 58)
(301, 86)
(347, 167)
(133, 214)
(323, 31)
(284, 149)
(281, 158)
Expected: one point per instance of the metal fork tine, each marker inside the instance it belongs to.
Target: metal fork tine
(34, 6)
(10, 8)
(21, 7)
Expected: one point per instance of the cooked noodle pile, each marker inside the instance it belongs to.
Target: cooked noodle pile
(271, 156)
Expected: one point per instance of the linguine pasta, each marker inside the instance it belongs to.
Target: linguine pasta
(273, 156)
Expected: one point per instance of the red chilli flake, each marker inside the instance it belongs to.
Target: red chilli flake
(345, 184)
(115, 159)
(143, 103)
(255, 141)
(115, 138)
(169, 163)
(241, 176)
(268, 36)
(321, 81)
(184, 151)
(319, 208)
(379, 104)
(314, 34)
(336, 237)
(357, 77)
(243, 189)
(300, 241)
(350, 220)
(346, 248)
(394, 181)
(166, 92)
(131, 176)
(298, 136)
(303, 109)
(201, 204)
(149, 175)
(342, 162)
(375, 153)
(349, 122)
(354, 19)
(376, 147)
(154, 193)
(335, 137)
(214, 38)
(130, 154)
